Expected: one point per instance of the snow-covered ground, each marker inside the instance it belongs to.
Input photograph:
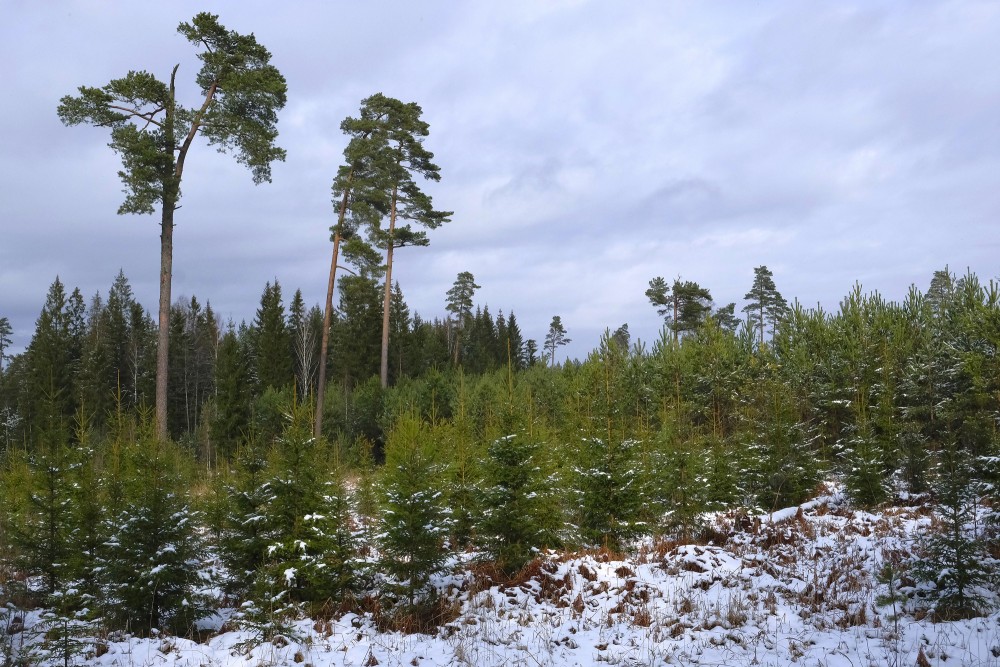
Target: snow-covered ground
(796, 587)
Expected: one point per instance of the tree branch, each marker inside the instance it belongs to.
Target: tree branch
(148, 116)
(195, 124)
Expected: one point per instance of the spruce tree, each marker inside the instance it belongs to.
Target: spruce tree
(71, 622)
(956, 566)
(355, 333)
(609, 491)
(5, 340)
(272, 341)
(399, 327)
(151, 566)
(415, 519)
(607, 473)
(513, 348)
(306, 566)
(49, 388)
(118, 352)
(244, 534)
(42, 535)
(233, 391)
(679, 471)
(481, 343)
(520, 514)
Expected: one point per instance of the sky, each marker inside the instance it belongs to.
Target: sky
(585, 148)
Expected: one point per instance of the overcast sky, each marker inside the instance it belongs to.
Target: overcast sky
(585, 147)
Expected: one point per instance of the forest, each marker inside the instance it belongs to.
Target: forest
(317, 460)
(477, 445)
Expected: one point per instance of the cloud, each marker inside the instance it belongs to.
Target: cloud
(585, 147)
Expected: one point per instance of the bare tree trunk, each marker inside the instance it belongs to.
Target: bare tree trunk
(761, 297)
(163, 337)
(676, 336)
(325, 338)
(328, 311)
(384, 371)
(171, 191)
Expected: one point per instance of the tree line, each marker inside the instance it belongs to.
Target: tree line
(96, 357)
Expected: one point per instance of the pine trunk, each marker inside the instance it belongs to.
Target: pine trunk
(171, 192)
(328, 310)
(163, 339)
(384, 371)
(324, 345)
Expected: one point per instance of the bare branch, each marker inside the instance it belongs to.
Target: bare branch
(148, 116)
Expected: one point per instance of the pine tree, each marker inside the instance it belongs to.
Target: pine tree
(459, 304)
(684, 305)
(726, 318)
(358, 200)
(394, 156)
(153, 133)
(694, 304)
(530, 352)
(765, 302)
(555, 338)
(464, 486)
(621, 337)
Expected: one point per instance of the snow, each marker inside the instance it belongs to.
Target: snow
(794, 587)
